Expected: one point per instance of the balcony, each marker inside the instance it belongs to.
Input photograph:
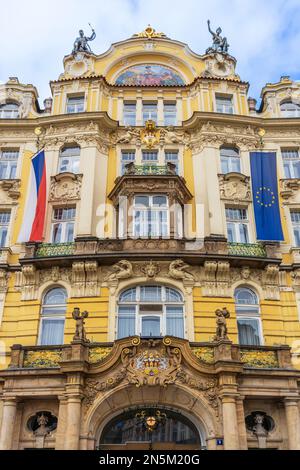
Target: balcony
(247, 249)
(47, 250)
(144, 170)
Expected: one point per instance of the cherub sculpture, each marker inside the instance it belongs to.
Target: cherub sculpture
(221, 329)
(80, 334)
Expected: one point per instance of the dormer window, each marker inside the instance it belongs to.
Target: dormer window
(224, 104)
(75, 104)
(289, 109)
(9, 111)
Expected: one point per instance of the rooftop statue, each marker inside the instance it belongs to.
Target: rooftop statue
(220, 44)
(81, 43)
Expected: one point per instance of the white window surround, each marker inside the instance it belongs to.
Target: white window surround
(9, 111)
(288, 109)
(295, 223)
(224, 103)
(156, 301)
(5, 218)
(75, 103)
(230, 160)
(129, 113)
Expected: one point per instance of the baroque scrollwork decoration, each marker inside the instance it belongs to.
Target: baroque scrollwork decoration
(235, 187)
(65, 187)
(150, 269)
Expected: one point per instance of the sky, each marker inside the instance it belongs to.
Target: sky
(264, 35)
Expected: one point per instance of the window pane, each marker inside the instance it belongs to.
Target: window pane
(150, 293)
(128, 296)
(70, 232)
(150, 326)
(149, 112)
(150, 156)
(129, 113)
(52, 331)
(248, 330)
(170, 114)
(126, 321)
(245, 296)
(175, 324)
(224, 104)
(159, 201)
(126, 157)
(172, 295)
(57, 233)
(55, 296)
(75, 104)
(3, 235)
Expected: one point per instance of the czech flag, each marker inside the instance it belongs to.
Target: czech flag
(35, 207)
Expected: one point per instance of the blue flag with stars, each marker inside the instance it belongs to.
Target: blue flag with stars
(265, 196)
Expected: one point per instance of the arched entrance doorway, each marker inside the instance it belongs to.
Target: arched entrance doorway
(147, 428)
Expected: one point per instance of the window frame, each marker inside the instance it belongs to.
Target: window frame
(224, 97)
(7, 225)
(174, 114)
(229, 159)
(149, 104)
(163, 304)
(129, 114)
(290, 163)
(295, 224)
(236, 223)
(64, 223)
(10, 163)
(249, 315)
(123, 163)
(4, 109)
(51, 316)
(152, 209)
(176, 161)
(73, 160)
(287, 113)
(76, 105)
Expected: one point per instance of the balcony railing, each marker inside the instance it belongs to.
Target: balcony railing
(132, 169)
(54, 249)
(247, 249)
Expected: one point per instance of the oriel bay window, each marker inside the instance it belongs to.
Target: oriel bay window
(53, 317)
(63, 220)
(150, 216)
(150, 311)
(8, 164)
(237, 225)
(248, 317)
(69, 160)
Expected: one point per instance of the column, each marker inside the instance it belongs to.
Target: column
(8, 423)
(241, 423)
(160, 110)
(139, 110)
(293, 423)
(73, 422)
(61, 423)
(230, 424)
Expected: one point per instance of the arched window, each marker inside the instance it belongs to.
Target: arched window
(69, 160)
(53, 317)
(230, 160)
(290, 109)
(248, 316)
(150, 311)
(9, 111)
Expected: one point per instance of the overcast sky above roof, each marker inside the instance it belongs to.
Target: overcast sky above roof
(264, 35)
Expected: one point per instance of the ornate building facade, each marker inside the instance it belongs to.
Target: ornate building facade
(108, 323)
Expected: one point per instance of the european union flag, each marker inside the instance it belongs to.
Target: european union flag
(265, 196)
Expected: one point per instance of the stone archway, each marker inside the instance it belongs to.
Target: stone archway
(175, 397)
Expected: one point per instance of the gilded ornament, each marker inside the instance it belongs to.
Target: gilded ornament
(98, 354)
(42, 359)
(204, 354)
(259, 359)
(149, 33)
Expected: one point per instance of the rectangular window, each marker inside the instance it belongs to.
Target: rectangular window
(224, 104)
(237, 225)
(4, 224)
(151, 216)
(230, 160)
(126, 321)
(149, 112)
(171, 156)
(127, 156)
(129, 114)
(248, 330)
(8, 164)
(75, 104)
(63, 221)
(52, 331)
(291, 163)
(69, 160)
(150, 157)
(175, 325)
(295, 218)
(170, 114)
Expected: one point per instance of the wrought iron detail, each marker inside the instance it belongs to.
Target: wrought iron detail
(55, 249)
(247, 249)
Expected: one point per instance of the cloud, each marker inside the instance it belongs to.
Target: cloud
(263, 36)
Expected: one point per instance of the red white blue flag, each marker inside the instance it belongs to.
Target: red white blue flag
(35, 207)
